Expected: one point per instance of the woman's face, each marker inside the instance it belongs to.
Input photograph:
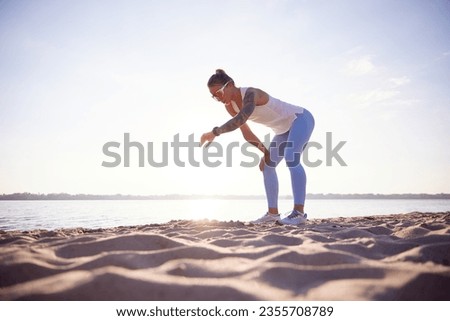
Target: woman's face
(219, 92)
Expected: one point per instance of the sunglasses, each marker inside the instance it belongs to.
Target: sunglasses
(220, 90)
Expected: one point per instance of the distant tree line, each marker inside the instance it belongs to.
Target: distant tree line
(65, 196)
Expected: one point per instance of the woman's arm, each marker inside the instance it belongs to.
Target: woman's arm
(252, 138)
(249, 104)
(253, 97)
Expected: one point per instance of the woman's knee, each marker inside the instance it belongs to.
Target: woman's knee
(292, 157)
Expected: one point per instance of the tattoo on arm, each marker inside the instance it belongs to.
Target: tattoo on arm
(238, 120)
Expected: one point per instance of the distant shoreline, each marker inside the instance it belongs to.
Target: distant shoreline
(71, 197)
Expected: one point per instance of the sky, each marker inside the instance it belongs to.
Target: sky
(76, 76)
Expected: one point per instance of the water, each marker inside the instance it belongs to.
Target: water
(29, 215)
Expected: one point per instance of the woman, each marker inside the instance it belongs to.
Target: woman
(292, 125)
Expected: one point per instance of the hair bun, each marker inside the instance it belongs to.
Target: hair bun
(219, 78)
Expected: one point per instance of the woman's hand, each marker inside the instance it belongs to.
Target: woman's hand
(262, 163)
(264, 160)
(207, 137)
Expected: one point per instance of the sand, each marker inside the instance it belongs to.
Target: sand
(385, 257)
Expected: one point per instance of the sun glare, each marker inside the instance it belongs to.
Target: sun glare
(201, 209)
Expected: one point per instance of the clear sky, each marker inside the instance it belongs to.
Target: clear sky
(75, 75)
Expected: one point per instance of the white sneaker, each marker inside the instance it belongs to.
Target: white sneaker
(266, 218)
(295, 218)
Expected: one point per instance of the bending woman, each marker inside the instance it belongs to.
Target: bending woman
(292, 126)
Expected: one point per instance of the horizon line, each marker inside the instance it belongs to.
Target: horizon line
(118, 196)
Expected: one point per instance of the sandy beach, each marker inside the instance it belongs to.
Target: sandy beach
(386, 257)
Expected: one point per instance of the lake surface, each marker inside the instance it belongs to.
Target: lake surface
(29, 215)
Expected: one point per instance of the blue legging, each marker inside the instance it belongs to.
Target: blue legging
(289, 146)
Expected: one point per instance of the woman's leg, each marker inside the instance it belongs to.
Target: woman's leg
(276, 150)
(299, 135)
